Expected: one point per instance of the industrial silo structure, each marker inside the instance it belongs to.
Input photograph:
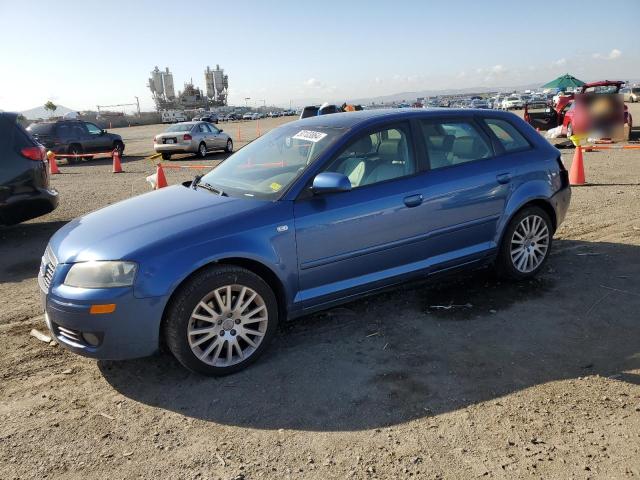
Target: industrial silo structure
(155, 83)
(167, 81)
(210, 83)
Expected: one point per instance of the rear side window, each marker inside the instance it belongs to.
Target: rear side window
(451, 143)
(510, 138)
(41, 128)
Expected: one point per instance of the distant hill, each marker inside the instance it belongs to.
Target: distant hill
(40, 112)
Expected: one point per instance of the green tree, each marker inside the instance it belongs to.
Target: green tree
(50, 106)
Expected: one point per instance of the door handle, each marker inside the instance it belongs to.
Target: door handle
(413, 200)
(503, 178)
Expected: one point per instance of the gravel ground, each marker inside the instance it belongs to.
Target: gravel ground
(539, 379)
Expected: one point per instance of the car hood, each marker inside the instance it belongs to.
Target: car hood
(166, 216)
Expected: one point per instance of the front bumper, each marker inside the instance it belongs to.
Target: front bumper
(131, 331)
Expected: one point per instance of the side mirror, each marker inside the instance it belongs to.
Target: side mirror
(221, 130)
(330, 182)
(103, 131)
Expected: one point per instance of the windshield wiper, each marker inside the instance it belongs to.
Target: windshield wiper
(196, 181)
(211, 188)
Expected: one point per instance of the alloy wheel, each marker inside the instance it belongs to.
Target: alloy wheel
(227, 325)
(529, 243)
(203, 150)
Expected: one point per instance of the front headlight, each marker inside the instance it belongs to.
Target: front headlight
(101, 274)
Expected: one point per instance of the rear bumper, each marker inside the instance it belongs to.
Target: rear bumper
(560, 202)
(175, 148)
(131, 331)
(25, 206)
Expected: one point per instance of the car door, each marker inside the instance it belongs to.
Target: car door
(541, 116)
(466, 190)
(204, 135)
(216, 138)
(352, 241)
(98, 141)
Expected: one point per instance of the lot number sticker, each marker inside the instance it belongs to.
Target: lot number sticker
(309, 135)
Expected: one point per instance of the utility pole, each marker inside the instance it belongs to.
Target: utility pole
(138, 105)
(246, 101)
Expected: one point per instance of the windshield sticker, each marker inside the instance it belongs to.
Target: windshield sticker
(275, 186)
(309, 135)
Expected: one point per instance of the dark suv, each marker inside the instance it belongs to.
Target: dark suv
(24, 176)
(74, 137)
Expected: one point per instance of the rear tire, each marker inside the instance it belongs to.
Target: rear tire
(525, 245)
(166, 156)
(221, 320)
(74, 149)
(202, 150)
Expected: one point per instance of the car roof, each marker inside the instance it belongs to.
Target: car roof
(352, 119)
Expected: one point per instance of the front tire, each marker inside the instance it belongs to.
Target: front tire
(119, 147)
(221, 320)
(229, 147)
(166, 156)
(526, 244)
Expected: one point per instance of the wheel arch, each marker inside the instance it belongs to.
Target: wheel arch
(254, 266)
(542, 203)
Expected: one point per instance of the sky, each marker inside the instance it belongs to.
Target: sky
(83, 53)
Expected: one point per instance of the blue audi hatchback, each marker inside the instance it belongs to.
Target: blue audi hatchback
(316, 212)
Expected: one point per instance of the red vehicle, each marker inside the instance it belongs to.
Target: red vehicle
(568, 113)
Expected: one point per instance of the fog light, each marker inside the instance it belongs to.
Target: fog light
(91, 338)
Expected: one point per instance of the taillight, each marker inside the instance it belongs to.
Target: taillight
(37, 154)
(187, 137)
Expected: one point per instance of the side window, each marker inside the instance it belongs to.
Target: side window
(213, 129)
(510, 138)
(203, 128)
(383, 155)
(64, 131)
(93, 129)
(453, 142)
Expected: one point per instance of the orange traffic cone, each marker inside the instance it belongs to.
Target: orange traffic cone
(576, 174)
(161, 180)
(258, 132)
(239, 139)
(117, 166)
(53, 166)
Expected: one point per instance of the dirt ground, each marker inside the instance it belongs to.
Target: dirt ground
(539, 379)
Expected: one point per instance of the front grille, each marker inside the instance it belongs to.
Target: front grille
(47, 269)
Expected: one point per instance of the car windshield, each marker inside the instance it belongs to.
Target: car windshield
(180, 127)
(267, 166)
